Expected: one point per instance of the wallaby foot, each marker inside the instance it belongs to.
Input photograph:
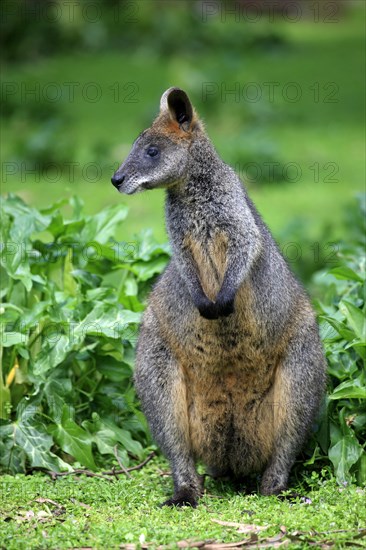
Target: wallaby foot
(186, 496)
(273, 481)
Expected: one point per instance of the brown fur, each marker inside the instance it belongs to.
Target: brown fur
(165, 126)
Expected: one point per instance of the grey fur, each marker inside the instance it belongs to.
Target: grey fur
(230, 369)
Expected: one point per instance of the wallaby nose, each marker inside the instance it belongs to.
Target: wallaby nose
(117, 179)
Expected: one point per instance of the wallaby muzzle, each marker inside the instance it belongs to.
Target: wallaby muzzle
(125, 180)
(117, 179)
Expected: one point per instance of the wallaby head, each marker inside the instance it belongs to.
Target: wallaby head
(160, 155)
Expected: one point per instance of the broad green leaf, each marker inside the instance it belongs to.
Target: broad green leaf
(36, 443)
(345, 272)
(360, 348)
(109, 322)
(12, 457)
(350, 389)
(130, 286)
(340, 327)
(73, 439)
(124, 437)
(15, 263)
(29, 435)
(146, 270)
(327, 332)
(355, 317)
(62, 230)
(53, 207)
(8, 339)
(53, 352)
(340, 363)
(148, 246)
(57, 391)
(343, 455)
(32, 317)
(88, 280)
(102, 226)
(114, 370)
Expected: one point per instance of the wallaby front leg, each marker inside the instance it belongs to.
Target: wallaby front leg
(214, 270)
(241, 255)
(160, 384)
(198, 291)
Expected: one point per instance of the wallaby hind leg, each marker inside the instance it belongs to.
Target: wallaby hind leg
(161, 387)
(295, 401)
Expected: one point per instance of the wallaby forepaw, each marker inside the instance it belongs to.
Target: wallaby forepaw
(216, 310)
(225, 309)
(182, 498)
(209, 313)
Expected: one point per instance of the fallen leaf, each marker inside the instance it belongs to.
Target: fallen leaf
(43, 514)
(163, 473)
(242, 527)
(74, 501)
(193, 544)
(217, 546)
(269, 544)
(42, 500)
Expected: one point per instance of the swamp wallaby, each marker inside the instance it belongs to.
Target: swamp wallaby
(230, 369)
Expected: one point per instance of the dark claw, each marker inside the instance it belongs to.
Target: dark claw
(182, 498)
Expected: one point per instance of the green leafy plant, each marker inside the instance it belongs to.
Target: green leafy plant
(341, 436)
(72, 298)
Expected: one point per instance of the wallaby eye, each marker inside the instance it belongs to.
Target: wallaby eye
(152, 151)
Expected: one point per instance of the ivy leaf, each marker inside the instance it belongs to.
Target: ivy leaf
(52, 354)
(12, 457)
(29, 434)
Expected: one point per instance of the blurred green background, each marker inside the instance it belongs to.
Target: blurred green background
(280, 86)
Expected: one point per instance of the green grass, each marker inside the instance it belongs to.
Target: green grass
(304, 132)
(90, 512)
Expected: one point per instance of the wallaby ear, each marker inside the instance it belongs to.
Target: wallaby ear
(179, 106)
